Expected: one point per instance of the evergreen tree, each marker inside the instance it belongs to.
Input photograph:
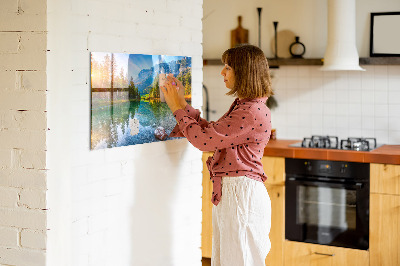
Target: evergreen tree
(133, 91)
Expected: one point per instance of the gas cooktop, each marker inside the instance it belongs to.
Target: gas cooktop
(332, 142)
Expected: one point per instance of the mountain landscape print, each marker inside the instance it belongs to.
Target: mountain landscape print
(127, 105)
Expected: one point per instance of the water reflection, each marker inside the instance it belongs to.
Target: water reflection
(111, 115)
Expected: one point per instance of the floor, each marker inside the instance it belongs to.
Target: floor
(206, 261)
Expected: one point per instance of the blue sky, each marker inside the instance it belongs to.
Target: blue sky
(134, 63)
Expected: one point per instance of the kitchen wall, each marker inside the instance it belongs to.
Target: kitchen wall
(342, 103)
(23, 128)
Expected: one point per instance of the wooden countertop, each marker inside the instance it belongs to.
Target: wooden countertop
(389, 154)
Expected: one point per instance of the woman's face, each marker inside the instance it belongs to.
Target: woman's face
(229, 76)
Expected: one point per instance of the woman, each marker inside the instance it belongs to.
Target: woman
(242, 208)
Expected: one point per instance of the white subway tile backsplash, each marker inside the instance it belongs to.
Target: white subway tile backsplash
(381, 97)
(355, 96)
(381, 122)
(369, 70)
(342, 133)
(381, 84)
(354, 80)
(394, 123)
(367, 133)
(305, 94)
(342, 96)
(328, 74)
(394, 110)
(394, 83)
(342, 81)
(304, 72)
(381, 136)
(394, 137)
(291, 71)
(304, 82)
(367, 110)
(354, 122)
(380, 71)
(367, 122)
(329, 109)
(293, 120)
(394, 97)
(381, 110)
(278, 82)
(329, 123)
(393, 71)
(329, 93)
(342, 109)
(355, 132)
(342, 122)
(304, 109)
(316, 82)
(304, 131)
(347, 103)
(367, 96)
(292, 83)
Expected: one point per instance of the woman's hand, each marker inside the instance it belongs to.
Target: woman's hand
(181, 91)
(174, 94)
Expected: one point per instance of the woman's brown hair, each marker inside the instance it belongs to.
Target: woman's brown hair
(250, 66)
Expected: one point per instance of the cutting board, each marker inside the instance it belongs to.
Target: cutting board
(239, 35)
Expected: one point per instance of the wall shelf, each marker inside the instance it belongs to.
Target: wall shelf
(274, 63)
(380, 61)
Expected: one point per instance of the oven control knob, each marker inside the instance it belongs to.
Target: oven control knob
(308, 166)
(343, 168)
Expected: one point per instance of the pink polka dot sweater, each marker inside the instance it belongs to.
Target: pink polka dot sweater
(238, 139)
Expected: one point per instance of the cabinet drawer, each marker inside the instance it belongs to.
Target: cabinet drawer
(304, 254)
(385, 178)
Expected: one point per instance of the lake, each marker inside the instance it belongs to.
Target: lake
(110, 120)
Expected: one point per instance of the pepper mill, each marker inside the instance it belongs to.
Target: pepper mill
(259, 26)
(276, 38)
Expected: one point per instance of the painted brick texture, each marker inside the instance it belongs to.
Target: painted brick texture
(135, 205)
(23, 126)
(108, 207)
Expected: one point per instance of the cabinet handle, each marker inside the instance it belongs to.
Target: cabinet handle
(324, 254)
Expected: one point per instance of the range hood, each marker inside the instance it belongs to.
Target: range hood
(341, 51)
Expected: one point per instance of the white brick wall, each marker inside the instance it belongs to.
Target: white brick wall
(135, 205)
(23, 132)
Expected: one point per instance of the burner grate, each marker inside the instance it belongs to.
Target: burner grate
(332, 142)
(358, 144)
(327, 142)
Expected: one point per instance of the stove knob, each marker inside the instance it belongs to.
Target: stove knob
(343, 168)
(308, 166)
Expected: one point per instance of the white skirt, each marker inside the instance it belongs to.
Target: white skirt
(241, 223)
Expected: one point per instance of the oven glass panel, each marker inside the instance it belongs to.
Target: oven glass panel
(326, 207)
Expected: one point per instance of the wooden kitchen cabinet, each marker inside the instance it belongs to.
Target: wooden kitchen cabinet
(206, 225)
(277, 233)
(384, 236)
(385, 178)
(385, 215)
(305, 254)
(274, 168)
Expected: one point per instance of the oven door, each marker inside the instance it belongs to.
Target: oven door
(327, 213)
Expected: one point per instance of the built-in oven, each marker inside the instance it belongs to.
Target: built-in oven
(327, 202)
